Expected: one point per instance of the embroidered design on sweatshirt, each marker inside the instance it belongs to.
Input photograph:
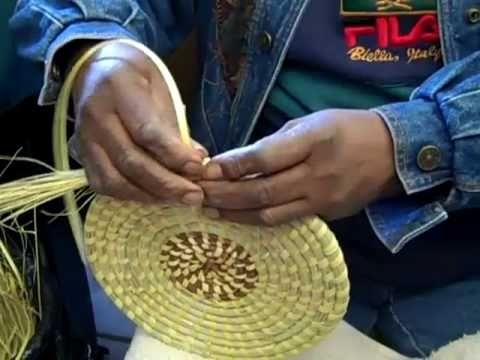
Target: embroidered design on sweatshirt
(380, 31)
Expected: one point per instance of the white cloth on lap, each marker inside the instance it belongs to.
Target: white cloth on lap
(345, 343)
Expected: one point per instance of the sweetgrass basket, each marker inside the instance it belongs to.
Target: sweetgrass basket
(216, 289)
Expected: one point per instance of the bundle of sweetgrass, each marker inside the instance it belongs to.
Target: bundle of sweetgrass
(18, 315)
(20, 292)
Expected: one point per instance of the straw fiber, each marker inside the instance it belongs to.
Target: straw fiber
(218, 289)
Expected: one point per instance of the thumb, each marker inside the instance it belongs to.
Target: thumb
(269, 155)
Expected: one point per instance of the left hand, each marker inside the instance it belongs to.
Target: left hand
(332, 163)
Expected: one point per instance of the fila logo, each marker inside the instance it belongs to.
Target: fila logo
(388, 33)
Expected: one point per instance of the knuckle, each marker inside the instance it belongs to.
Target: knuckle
(171, 152)
(268, 218)
(264, 194)
(235, 168)
(336, 200)
(127, 160)
(144, 134)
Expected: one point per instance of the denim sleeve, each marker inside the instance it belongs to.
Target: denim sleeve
(42, 27)
(443, 113)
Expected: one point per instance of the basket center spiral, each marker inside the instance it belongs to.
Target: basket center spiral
(208, 265)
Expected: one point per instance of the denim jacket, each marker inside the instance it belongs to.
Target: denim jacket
(436, 133)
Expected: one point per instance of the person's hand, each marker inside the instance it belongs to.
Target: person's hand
(126, 135)
(332, 164)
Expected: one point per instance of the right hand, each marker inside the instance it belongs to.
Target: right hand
(126, 134)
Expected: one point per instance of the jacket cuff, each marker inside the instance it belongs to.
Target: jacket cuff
(93, 30)
(422, 145)
(397, 221)
(423, 160)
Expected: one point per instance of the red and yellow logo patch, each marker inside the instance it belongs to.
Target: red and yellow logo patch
(384, 21)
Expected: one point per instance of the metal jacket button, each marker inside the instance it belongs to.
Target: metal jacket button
(429, 158)
(473, 15)
(265, 41)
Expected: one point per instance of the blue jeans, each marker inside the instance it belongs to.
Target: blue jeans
(420, 299)
(418, 324)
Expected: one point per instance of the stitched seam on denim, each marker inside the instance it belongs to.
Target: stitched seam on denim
(132, 16)
(458, 97)
(409, 334)
(420, 230)
(446, 15)
(469, 186)
(82, 6)
(93, 16)
(378, 225)
(44, 11)
(396, 128)
(137, 12)
(467, 134)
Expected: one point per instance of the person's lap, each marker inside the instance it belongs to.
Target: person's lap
(417, 324)
(420, 298)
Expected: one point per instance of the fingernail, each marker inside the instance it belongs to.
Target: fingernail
(211, 213)
(192, 168)
(213, 171)
(193, 199)
(201, 150)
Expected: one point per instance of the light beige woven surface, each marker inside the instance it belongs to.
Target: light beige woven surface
(216, 289)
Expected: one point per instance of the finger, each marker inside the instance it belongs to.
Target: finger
(150, 120)
(270, 216)
(140, 169)
(193, 174)
(104, 179)
(257, 193)
(200, 149)
(272, 154)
